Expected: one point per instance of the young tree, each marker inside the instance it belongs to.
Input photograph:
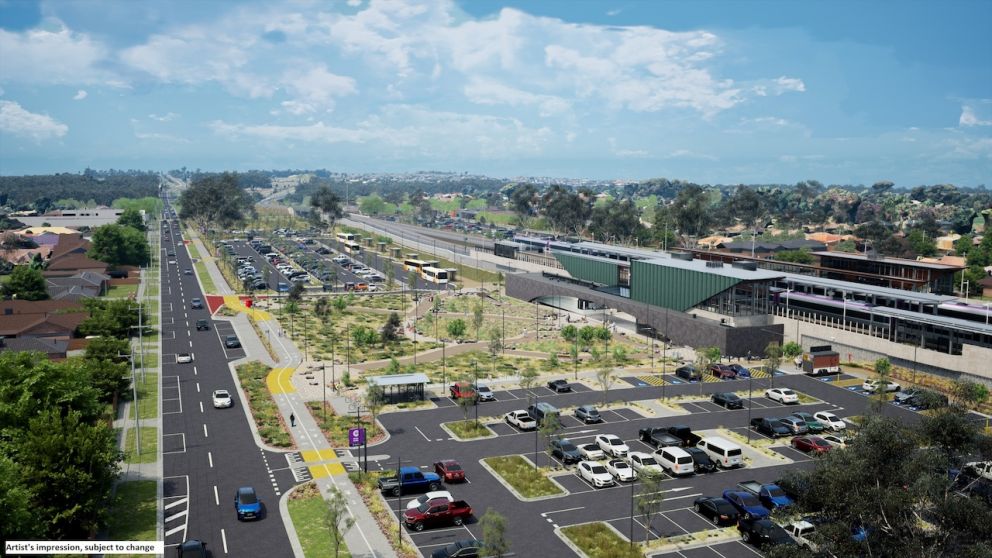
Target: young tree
(528, 377)
(340, 303)
(791, 350)
(494, 533)
(569, 333)
(456, 328)
(465, 403)
(773, 358)
(477, 318)
(26, 284)
(375, 398)
(586, 336)
(971, 394)
(337, 518)
(495, 346)
(649, 500)
(605, 379)
(390, 276)
(391, 328)
(549, 427)
(883, 368)
(296, 292)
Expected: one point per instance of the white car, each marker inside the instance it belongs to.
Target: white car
(830, 420)
(416, 502)
(611, 444)
(621, 470)
(782, 395)
(184, 358)
(835, 441)
(595, 474)
(591, 452)
(873, 386)
(802, 532)
(644, 463)
(222, 399)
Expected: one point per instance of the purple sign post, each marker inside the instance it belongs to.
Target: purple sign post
(356, 437)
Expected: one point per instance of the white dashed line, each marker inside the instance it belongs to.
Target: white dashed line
(210, 458)
(223, 538)
(216, 496)
(205, 435)
(201, 406)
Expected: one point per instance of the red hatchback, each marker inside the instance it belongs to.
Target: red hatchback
(811, 444)
(450, 470)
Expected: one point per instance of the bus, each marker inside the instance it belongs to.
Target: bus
(351, 247)
(413, 264)
(434, 275)
(346, 237)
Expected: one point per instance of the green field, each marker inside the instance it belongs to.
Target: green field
(147, 395)
(132, 517)
(149, 445)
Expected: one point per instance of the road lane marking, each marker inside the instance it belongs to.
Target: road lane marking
(210, 458)
(417, 428)
(194, 370)
(205, 435)
(545, 514)
(201, 406)
(223, 538)
(216, 496)
(197, 387)
(175, 516)
(176, 503)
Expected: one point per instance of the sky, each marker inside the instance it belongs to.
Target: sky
(714, 92)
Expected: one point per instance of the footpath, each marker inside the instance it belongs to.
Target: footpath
(326, 465)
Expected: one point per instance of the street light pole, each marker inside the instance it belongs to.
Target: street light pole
(749, 377)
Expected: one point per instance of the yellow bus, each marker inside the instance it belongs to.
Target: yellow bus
(434, 275)
(413, 264)
(351, 247)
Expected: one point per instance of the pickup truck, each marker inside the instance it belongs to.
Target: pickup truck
(771, 495)
(770, 426)
(684, 433)
(658, 437)
(981, 469)
(521, 419)
(438, 511)
(410, 479)
(463, 390)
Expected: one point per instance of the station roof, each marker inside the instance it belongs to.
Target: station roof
(399, 379)
(725, 270)
(847, 286)
(885, 259)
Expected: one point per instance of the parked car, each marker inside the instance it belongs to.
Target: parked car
(812, 424)
(468, 548)
(830, 420)
(463, 390)
(196, 304)
(782, 395)
(644, 463)
(246, 504)
(723, 371)
(588, 414)
(409, 479)
(685, 435)
(689, 373)
(658, 437)
(202, 325)
(591, 452)
(559, 386)
(612, 445)
(449, 470)
(485, 393)
(222, 399)
(741, 371)
(747, 505)
(184, 358)
(424, 498)
(728, 400)
(811, 444)
(835, 440)
(802, 532)
(521, 419)
(621, 470)
(565, 450)
(232, 342)
(904, 396)
(437, 512)
(872, 385)
(701, 461)
(595, 474)
(770, 495)
(769, 426)
(796, 426)
(716, 509)
(763, 532)
(193, 548)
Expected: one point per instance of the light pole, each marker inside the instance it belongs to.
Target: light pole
(749, 377)
(633, 481)
(475, 367)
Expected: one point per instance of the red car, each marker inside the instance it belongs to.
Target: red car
(811, 444)
(723, 371)
(450, 470)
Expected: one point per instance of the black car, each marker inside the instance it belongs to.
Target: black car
(770, 427)
(701, 461)
(717, 510)
(689, 373)
(232, 342)
(192, 548)
(196, 304)
(728, 400)
(468, 548)
(559, 386)
(202, 325)
(566, 451)
(763, 532)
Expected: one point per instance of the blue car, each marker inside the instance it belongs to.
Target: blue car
(748, 505)
(742, 372)
(246, 504)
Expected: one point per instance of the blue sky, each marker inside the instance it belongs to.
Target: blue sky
(708, 91)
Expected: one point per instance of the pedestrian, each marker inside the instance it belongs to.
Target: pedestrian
(292, 419)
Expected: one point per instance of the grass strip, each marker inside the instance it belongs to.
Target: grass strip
(597, 540)
(367, 485)
(149, 445)
(335, 427)
(122, 291)
(468, 429)
(133, 515)
(266, 413)
(205, 280)
(307, 512)
(147, 394)
(523, 476)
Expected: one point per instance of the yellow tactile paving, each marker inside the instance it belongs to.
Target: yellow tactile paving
(652, 380)
(711, 378)
(311, 456)
(235, 303)
(279, 380)
(326, 470)
(759, 374)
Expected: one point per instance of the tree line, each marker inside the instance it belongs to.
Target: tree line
(96, 188)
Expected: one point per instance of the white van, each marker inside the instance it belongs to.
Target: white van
(677, 461)
(726, 454)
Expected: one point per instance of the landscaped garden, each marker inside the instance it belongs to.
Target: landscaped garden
(597, 540)
(528, 480)
(269, 421)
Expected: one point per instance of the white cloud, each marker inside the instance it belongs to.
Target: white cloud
(80, 95)
(970, 118)
(160, 137)
(167, 117)
(14, 119)
(52, 55)
(490, 92)
(687, 154)
(354, 3)
(315, 89)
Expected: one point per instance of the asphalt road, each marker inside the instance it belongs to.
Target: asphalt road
(417, 439)
(208, 453)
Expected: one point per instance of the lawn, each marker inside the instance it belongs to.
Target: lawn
(271, 427)
(133, 515)
(468, 429)
(147, 395)
(122, 291)
(149, 445)
(307, 512)
(335, 427)
(527, 480)
(597, 540)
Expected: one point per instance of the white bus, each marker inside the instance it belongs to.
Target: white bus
(413, 264)
(435, 275)
(346, 237)
(351, 247)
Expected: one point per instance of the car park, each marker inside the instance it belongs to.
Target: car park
(427, 497)
(449, 470)
(588, 414)
(716, 509)
(782, 395)
(813, 425)
(184, 358)
(871, 385)
(728, 400)
(621, 470)
(565, 450)
(246, 504)
(595, 474)
(644, 463)
(559, 386)
(747, 505)
(811, 444)
(612, 445)
(830, 420)
(222, 399)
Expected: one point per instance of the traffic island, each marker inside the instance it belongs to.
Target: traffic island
(464, 430)
(526, 481)
(599, 540)
(335, 427)
(691, 540)
(308, 512)
(264, 410)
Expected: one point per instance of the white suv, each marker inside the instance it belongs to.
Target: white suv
(873, 386)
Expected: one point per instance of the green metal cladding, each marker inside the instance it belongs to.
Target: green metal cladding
(582, 267)
(674, 288)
